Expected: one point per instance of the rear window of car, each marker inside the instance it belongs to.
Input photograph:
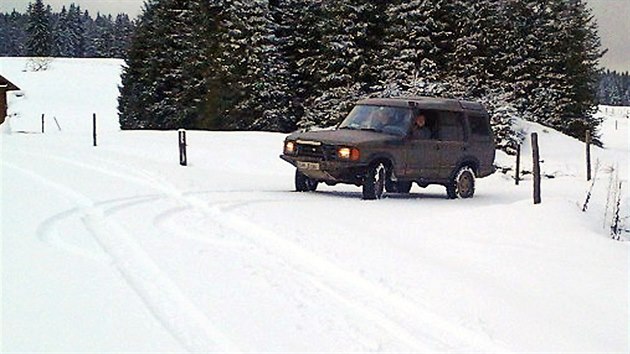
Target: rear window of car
(479, 126)
(450, 126)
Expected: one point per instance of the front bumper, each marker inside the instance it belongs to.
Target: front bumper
(330, 171)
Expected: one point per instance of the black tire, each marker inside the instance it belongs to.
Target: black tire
(462, 184)
(374, 184)
(304, 183)
(397, 186)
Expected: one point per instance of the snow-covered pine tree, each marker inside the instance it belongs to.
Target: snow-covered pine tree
(61, 34)
(91, 35)
(38, 43)
(580, 52)
(551, 37)
(300, 33)
(348, 60)
(407, 60)
(614, 88)
(165, 80)
(123, 29)
(76, 31)
(102, 36)
(137, 91)
(253, 68)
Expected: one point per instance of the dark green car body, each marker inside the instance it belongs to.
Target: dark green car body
(460, 136)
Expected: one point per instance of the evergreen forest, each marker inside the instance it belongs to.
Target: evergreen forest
(614, 88)
(71, 32)
(282, 65)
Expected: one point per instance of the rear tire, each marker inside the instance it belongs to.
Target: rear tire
(374, 184)
(304, 183)
(462, 184)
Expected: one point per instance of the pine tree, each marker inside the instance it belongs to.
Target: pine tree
(346, 61)
(15, 35)
(168, 69)
(62, 40)
(76, 31)
(253, 69)
(123, 29)
(39, 32)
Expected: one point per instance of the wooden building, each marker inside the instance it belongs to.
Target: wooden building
(5, 86)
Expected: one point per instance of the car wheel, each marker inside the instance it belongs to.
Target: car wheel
(462, 184)
(304, 183)
(397, 186)
(374, 184)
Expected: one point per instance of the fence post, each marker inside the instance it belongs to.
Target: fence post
(536, 168)
(517, 175)
(183, 160)
(57, 123)
(42, 123)
(94, 128)
(588, 155)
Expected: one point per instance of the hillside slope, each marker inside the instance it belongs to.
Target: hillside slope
(117, 248)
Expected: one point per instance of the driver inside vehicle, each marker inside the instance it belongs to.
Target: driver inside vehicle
(420, 129)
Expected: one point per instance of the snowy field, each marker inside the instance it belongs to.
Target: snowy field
(117, 248)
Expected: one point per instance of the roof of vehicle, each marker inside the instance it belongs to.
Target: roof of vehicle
(426, 103)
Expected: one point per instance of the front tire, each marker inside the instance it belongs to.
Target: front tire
(304, 183)
(374, 184)
(462, 185)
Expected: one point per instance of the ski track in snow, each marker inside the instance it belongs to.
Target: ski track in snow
(406, 322)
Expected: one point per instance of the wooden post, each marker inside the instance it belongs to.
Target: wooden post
(536, 168)
(588, 155)
(517, 175)
(42, 123)
(183, 160)
(94, 128)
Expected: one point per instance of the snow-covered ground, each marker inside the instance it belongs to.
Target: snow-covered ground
(117, 248)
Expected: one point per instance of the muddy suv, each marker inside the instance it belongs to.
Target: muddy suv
(384, 145)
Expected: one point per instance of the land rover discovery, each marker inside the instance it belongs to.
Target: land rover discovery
(384, 145)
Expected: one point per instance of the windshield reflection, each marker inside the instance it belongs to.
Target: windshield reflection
(382, 119)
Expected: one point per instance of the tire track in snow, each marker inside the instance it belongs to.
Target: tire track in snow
(48, 230)
(401, 316)
(162, 297)
(408, 322)
(442, 334)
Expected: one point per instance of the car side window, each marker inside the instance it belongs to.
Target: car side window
(450, 126)
(479, 127)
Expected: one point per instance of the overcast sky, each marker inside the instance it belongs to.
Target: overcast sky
(613, 17)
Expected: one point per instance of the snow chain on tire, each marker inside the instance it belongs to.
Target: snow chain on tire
(463, 184)
(374, 184)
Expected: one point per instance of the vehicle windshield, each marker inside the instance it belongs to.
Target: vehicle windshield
(383, 119)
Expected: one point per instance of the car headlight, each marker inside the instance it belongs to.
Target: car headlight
(347, 153)
(289, 147)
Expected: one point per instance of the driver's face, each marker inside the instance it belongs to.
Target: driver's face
(420, 120)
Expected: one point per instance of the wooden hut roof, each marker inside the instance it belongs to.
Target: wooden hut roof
(6, 85)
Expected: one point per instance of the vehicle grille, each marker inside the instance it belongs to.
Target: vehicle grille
(323, 152)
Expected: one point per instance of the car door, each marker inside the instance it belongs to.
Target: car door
(451, 142)
(423, 155)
